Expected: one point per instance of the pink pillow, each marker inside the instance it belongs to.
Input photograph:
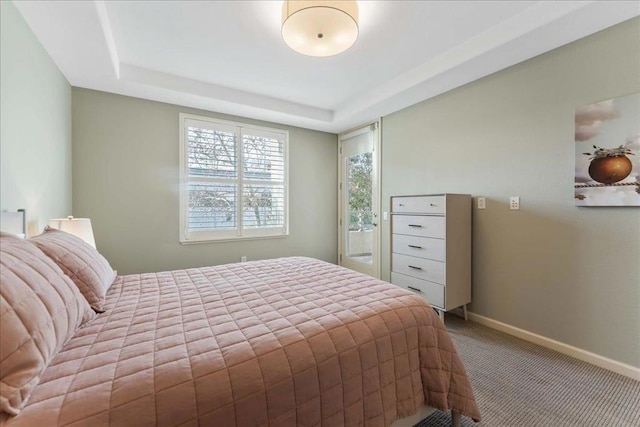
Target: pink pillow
(40, 310)
(89, 270)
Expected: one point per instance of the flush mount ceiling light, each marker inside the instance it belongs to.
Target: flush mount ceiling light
(319, 28)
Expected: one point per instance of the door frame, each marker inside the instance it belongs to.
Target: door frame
(378, 165)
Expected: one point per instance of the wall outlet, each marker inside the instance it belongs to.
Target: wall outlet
(243, 258)
(514, 203)
(482, 203)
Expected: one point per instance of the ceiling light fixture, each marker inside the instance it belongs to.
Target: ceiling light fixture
(319, 28)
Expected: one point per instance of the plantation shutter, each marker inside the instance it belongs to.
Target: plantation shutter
(263, 194)
(233, 181)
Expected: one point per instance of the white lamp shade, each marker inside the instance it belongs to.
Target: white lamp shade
(319, 28)
(80, 227)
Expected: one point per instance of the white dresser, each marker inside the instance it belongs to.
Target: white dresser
(431, 248)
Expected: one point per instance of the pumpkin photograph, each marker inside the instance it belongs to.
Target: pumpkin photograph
(607, 167)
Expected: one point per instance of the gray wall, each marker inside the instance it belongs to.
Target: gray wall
(125, 170)
(571, 274)
(35, 126)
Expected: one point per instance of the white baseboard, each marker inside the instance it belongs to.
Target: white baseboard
(578, 353)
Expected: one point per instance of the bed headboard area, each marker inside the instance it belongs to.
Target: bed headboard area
(14, 222)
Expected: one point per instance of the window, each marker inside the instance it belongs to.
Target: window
(233, 180)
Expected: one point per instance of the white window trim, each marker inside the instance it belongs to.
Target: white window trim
(228, 235)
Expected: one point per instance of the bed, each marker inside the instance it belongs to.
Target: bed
(283, 342)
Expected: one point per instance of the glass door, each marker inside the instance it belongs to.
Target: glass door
(359, 200)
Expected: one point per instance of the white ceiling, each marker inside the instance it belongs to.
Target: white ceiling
(228, 56)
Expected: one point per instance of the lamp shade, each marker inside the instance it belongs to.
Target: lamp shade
(319, 28)
(80, 227)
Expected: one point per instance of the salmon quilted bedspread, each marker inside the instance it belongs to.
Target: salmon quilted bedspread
(284, 342)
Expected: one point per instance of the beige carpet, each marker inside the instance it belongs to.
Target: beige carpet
(517, 383)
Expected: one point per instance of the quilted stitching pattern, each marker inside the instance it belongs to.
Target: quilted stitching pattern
(88, 269)
(288, 342)
(40, 310)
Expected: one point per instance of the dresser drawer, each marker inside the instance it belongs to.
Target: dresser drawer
(422, 226)
(420, 204)
(419, 268)
(421, 247)
(432, 292)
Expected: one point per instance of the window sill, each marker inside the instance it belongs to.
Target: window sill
(231, 239)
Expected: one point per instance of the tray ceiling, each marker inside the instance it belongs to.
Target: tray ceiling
(228, 56)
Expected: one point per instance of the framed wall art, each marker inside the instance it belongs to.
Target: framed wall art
(607, 167)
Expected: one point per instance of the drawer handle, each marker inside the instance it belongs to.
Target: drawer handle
(415, 247)
(415, 268)
(433, 204)
(414, 289)
(415, 225)
(400, 204)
